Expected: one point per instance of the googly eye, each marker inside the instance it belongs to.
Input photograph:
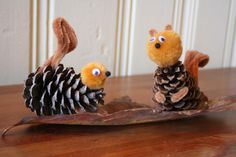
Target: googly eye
(96, 72)
(161, 39)
(152, 39)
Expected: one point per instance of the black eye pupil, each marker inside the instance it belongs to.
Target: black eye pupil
(162, 39)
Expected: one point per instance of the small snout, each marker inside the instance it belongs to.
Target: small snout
(157, 45)
(108, 73)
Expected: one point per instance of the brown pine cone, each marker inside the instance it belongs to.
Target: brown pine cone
(60, 91)
(171, 80)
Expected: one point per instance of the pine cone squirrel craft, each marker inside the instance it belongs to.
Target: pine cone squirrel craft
(175, 84)
(54, 89)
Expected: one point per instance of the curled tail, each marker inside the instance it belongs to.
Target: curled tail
(193, 60)
(66, 42)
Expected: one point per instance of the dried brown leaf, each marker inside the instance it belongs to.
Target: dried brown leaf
(123, 111)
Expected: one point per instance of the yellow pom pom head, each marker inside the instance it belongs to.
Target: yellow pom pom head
(94, 75)
(164, 48)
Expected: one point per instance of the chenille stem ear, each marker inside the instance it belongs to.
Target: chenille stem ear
(152, 32)
(66, 42)
(168, 27)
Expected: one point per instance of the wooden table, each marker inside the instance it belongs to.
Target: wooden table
(204, 136)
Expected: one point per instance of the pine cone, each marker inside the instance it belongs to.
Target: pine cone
(169, 81)
(60, 91)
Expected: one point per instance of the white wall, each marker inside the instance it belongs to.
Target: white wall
(14, 41)
(113, 32)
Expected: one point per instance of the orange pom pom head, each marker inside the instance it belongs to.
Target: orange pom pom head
(94, 75)
(164, 48)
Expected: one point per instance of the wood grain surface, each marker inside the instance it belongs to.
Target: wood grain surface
(213, 134)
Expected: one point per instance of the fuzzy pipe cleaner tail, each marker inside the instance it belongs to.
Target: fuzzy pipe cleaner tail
(66, 42)
(193, 60)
